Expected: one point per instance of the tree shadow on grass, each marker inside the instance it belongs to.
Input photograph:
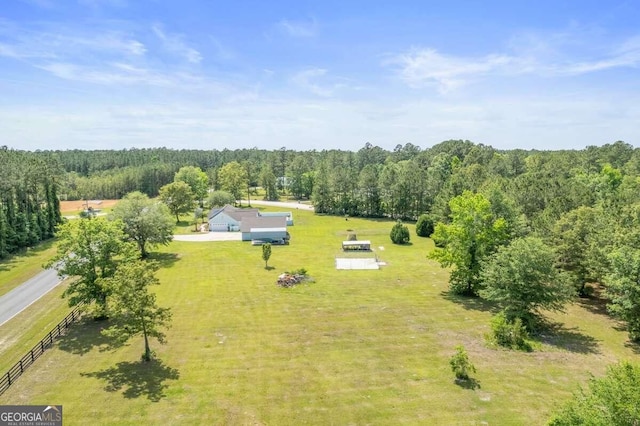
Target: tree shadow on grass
(137, 379)
(570, 339)
(470, 383)
(634, 346)
(269, 268)
(596, 302)
(471, 302)
(165, 260)
(86, 335)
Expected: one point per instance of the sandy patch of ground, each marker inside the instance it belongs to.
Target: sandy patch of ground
(74, 206)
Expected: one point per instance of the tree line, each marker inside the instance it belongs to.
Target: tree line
(29, 204)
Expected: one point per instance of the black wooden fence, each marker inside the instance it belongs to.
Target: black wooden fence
(16, 371)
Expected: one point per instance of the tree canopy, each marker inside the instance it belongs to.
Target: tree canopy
(134, 307)
(89, 251)
(473, 234)
(523, 279)
(147, 222)
(178, 197)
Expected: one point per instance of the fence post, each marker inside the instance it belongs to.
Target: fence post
(32, 358)
(9, 377)
(21, 369)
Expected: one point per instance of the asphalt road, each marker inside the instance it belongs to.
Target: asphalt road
(19, 298)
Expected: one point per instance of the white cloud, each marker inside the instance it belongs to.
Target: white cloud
(174, 43)
(557, 56)
(298, 28)
(307, 80)
(426, 67)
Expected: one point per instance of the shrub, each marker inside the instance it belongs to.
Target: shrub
(424, 226)
(510, 334)
(400, 233)
(460, 364)
(610, 400)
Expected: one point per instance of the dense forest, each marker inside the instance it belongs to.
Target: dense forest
(29, 204)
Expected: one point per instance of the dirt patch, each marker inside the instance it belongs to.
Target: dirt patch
(74, 206)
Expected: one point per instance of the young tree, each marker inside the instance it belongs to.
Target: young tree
(197, 180)
(90, 250)
(400, 233)
(472, 235)
(232, 178)
(134, 308)
(266, 254)
(523, 279)
(611, 400)
(623, 288)
(460, 364)
(146, 222)
(178, 197)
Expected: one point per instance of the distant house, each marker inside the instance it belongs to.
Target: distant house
(228, 218)
(265, 229)
(255, 226)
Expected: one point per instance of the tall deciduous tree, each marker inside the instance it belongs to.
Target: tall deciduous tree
(220, 199)
(148, 223)
(178, 198)
(523, 279)
(623, 288)
(575, 237)
(90, 250)
(134, 307)
(232, 178)
(473, 234)
(268, 183)
(197, 180)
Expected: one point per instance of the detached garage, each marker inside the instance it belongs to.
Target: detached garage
(265, 229)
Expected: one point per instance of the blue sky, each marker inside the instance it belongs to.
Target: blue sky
(112, 74)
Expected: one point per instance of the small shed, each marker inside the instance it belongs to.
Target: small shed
(363, 245)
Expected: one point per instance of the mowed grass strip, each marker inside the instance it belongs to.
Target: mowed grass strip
(353, 347)
(19, 267)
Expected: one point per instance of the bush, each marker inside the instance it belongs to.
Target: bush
(611, 400)
(400, 233)
(424, 226)
(460, 364)
(510, 334)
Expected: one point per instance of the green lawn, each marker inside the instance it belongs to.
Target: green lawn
(20, 267)
(353, 347)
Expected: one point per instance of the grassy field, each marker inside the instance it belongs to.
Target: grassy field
(352, 347)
